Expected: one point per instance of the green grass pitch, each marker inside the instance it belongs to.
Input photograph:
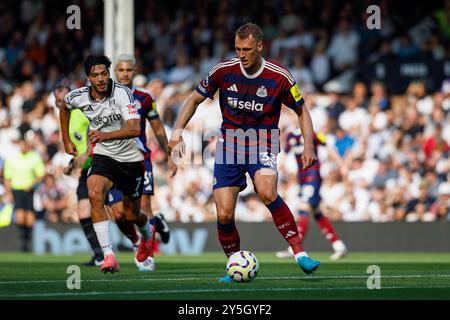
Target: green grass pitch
(403, 276)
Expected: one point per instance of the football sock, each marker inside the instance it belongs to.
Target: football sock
(228, 237)
(285, 223)
(102, 230)
(88, 229)
(145, 230)
(300, 254)
(303, 223)
(128, 230)
(326, 228)
(25, 233)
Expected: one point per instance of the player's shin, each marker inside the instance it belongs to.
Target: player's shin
(303, 223)
(128, 230)
(228, 237)
(102, 230)
(143, 225)
(326, 227)
(285, 223)
(101, 226)
(88, 229)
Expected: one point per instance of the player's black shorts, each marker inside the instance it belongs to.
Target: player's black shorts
(23, 199)
(82, 189)
(128, 177)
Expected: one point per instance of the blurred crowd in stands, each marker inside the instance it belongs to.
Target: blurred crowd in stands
(394, 145)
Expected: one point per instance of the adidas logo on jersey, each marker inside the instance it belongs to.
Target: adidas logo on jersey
(233, 88)
(239, 104)
(89, 109)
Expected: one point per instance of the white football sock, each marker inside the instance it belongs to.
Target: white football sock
(339, 246)
(102, 230)
(300, 254)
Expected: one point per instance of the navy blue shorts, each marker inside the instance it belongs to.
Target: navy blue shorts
(230, 168)
(310, 192)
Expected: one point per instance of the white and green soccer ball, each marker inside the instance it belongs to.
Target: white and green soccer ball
(242, 266)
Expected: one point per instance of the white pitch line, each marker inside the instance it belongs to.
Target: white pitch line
(96, 293)
(313, 277)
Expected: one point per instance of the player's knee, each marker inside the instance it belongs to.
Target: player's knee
(225, 218)
(96, 197)
(268, 196)
(225, 215)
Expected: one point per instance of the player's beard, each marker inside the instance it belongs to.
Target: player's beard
(101, 89)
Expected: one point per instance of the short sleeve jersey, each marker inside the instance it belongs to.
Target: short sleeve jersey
(146, 106)
(23, 169)
(252, 101)
(109, 115)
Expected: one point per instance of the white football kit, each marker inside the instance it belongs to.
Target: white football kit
(108, 115)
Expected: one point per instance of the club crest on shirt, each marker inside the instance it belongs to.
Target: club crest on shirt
(261, 92)
(112, 102)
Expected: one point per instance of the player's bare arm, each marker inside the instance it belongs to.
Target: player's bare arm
(186, 113)
(132, 129)
(160, 134)
(64, 118)
(78, 161)
(9, 198)
(304, 119)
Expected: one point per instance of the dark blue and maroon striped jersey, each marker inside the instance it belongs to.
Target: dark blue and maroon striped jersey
(252, 101)
(147, 110)
(295, 143)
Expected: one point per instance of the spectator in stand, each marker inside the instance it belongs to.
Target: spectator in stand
(354, 119)
(54, 200)
(441, 208)
(359, 94)
(343, 49)
(320, 65)
(419, 208)
(343, 142)
(435, 142)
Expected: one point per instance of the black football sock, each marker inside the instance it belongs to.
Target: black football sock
(91, 236)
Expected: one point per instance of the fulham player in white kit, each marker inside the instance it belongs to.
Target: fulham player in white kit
(117, 152)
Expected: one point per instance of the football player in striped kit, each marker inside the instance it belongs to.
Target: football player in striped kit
(252, 92)
(310, 181)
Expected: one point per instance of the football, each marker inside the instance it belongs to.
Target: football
(242, 266)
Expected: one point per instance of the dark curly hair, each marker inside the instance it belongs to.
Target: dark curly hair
(94, 60)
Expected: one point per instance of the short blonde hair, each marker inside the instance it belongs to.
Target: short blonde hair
(244, 31)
